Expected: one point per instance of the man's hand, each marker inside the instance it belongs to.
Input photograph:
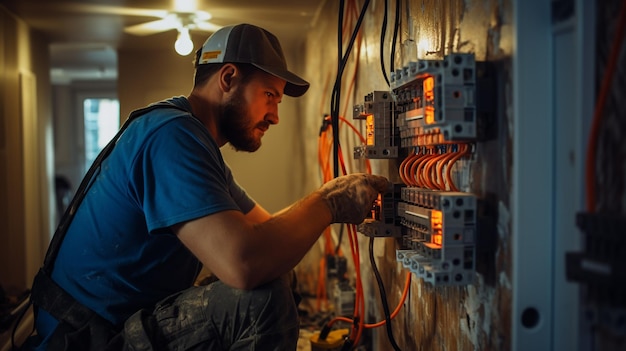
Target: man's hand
(350, 197)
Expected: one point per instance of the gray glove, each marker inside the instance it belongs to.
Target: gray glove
(350, 198)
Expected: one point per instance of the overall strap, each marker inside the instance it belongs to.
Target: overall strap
(51, 297)
(65, 221)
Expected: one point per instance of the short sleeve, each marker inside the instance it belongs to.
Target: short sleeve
(239, 195)
(179, 175)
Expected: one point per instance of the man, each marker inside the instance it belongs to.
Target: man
(164, 203)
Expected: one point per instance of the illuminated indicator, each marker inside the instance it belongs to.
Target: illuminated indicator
(376, 207)
(437, 239)
(429, 99)
(429, 88)
(436, 224)
(369, 130)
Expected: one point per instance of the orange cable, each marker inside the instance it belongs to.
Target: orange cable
(452, 161)
(408, 169)
(438, 175)
(445, 164)
(428, 172)
(592, 146)
(403, 166)
(419, 175)
(395, 312)
(414, 167)
(321, 286)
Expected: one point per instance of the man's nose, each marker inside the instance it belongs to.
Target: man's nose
(272, 118)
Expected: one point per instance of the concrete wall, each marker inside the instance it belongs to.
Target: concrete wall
(477, 317)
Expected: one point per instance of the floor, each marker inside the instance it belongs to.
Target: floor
(304, 342)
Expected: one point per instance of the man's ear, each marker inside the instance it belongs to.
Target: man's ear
(227, 74)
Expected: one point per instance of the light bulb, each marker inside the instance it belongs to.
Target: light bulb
(183, 44)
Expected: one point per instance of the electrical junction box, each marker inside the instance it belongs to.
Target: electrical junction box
(432, 112)
(377, 111)
(436, 100)
(440, 235)
(343, 299)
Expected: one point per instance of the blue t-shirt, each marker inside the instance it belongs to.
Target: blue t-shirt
(119, 255)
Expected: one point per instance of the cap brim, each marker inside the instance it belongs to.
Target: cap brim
(295, 86)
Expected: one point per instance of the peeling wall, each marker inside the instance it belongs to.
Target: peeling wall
(476, 317)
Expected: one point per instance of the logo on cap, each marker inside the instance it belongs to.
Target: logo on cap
(210, 55)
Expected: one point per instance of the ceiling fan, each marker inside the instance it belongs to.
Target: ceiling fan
(182, 21)
(183, 18)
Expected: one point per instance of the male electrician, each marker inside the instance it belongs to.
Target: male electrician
(164, 203)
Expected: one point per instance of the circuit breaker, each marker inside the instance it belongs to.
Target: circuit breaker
(380, 135)
(428, 121)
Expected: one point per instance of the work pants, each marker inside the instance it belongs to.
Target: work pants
(218, 317)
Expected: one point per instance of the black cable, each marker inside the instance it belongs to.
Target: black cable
(383, 31)
(396, 27)
(336, 95)
(383, 296)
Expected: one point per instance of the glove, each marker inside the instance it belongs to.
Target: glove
(350, 198)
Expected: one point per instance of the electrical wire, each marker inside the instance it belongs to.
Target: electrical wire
(340, 239)
(419, 175)
(405, 291)
(336, 94)
(359, 306)
(444, 184)
(592, 146)
(383, 296)
(403, 164)
(395, 37)
(324, 150)
(409, 171)
(459, 154)
(383, 31)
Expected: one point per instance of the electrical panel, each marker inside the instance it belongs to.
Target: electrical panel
(428, 121)
(439, 235)
(343, 296)
(380, 136)
(437, 100)
(599, 268)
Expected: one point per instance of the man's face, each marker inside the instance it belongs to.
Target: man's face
(250, 111)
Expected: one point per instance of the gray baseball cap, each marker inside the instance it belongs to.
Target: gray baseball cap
(246, 43)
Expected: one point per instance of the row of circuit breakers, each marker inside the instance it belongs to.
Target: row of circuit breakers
(432, 105)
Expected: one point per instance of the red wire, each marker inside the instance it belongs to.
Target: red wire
(592, 147)
(395, 312)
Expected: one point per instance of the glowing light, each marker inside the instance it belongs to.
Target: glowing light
(436, 223)
(369, 130)
(183, 45)
(429, 99)
(185, 5)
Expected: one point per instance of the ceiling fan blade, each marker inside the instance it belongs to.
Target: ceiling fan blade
(205, 26)
(153, 27)
(111, 10)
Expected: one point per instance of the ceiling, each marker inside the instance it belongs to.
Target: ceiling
(85, 35)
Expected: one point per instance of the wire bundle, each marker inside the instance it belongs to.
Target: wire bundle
(328, 145)
(431, 167)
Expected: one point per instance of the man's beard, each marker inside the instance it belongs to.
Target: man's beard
(235, 127)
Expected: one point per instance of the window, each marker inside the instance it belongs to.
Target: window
(102, 121)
